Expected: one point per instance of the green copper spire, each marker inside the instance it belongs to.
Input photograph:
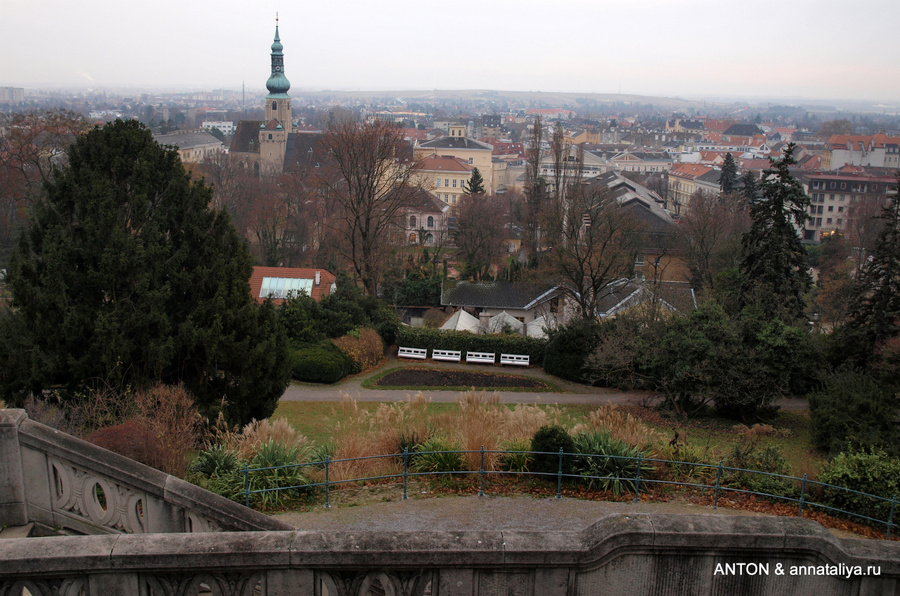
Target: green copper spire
(278, 85)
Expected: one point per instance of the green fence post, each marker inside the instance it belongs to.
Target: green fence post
(718, 483)
(891, 517)
(559, 476)
(405, 470)
(802, 496)
(637, 482)
(327, 480)
(246, 486)
(481, 473)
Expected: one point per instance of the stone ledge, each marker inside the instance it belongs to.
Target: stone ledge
(796, 540)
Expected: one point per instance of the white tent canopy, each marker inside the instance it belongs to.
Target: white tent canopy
(461, 321)
(536, 328)
(504, 320)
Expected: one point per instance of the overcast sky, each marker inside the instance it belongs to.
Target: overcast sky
(814, 49)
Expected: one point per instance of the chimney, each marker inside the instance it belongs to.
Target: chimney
(318, 278)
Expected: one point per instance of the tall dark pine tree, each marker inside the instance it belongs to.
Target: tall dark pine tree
(125, 276)
(749, 187)
(729, 177)
(475, 185)
(774, 260)
(875, 313)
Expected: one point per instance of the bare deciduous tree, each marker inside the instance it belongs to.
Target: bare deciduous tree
(479, 234)
(31, 144)
(709, 234)
(366, 179)
(594, 242)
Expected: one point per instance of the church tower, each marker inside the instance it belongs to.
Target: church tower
(274, 132)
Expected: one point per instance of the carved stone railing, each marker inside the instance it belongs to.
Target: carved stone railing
(638, 554)
(63, 483)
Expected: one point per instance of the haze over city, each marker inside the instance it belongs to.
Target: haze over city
(694, 49)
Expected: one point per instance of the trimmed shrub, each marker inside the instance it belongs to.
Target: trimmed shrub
(547, 441)
(568, 348)
(871, 472)
(616, 466)
(422, 337)
(321, 363)
(854, 408)
(132, 439)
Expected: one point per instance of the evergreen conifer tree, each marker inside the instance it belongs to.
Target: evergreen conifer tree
(475, 185)
(728, 178)
(774, 260)
(749, 186)
(875, 311)
(126, 277)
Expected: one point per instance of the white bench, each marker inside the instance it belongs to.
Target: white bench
(480, 357)
(514, 359)
(418, 353)
(448, 355)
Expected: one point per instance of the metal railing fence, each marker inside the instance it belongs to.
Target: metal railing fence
(725, 478)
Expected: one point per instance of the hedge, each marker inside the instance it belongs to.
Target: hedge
(422, 337)
(321, 363)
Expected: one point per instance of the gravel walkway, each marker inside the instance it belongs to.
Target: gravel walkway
(572, 393)
(471, 513)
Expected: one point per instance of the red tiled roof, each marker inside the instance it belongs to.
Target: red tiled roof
(868, 141)
(688, 170)
(317, 293)
(444, 163)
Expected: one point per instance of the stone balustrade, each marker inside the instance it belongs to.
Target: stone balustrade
(637, 554)
(65, 484)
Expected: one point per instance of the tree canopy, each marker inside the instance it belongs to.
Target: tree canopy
(774, 260)
(729, 177)
(126, 277)
(875, 311)
(475, 185)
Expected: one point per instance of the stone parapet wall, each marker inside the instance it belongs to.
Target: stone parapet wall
(644, 554)
(58, 481)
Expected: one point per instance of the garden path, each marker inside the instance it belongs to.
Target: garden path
(571, 393)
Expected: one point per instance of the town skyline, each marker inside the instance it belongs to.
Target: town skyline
(694, 50)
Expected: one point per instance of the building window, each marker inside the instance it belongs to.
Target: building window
(447, 182)
(274, 105)
(438, 182)
(830, 208)
(828, 221)
(281, 287)
(471, 160)
(454, 183)
(430, 221)
(412, 221)
(818, 221)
